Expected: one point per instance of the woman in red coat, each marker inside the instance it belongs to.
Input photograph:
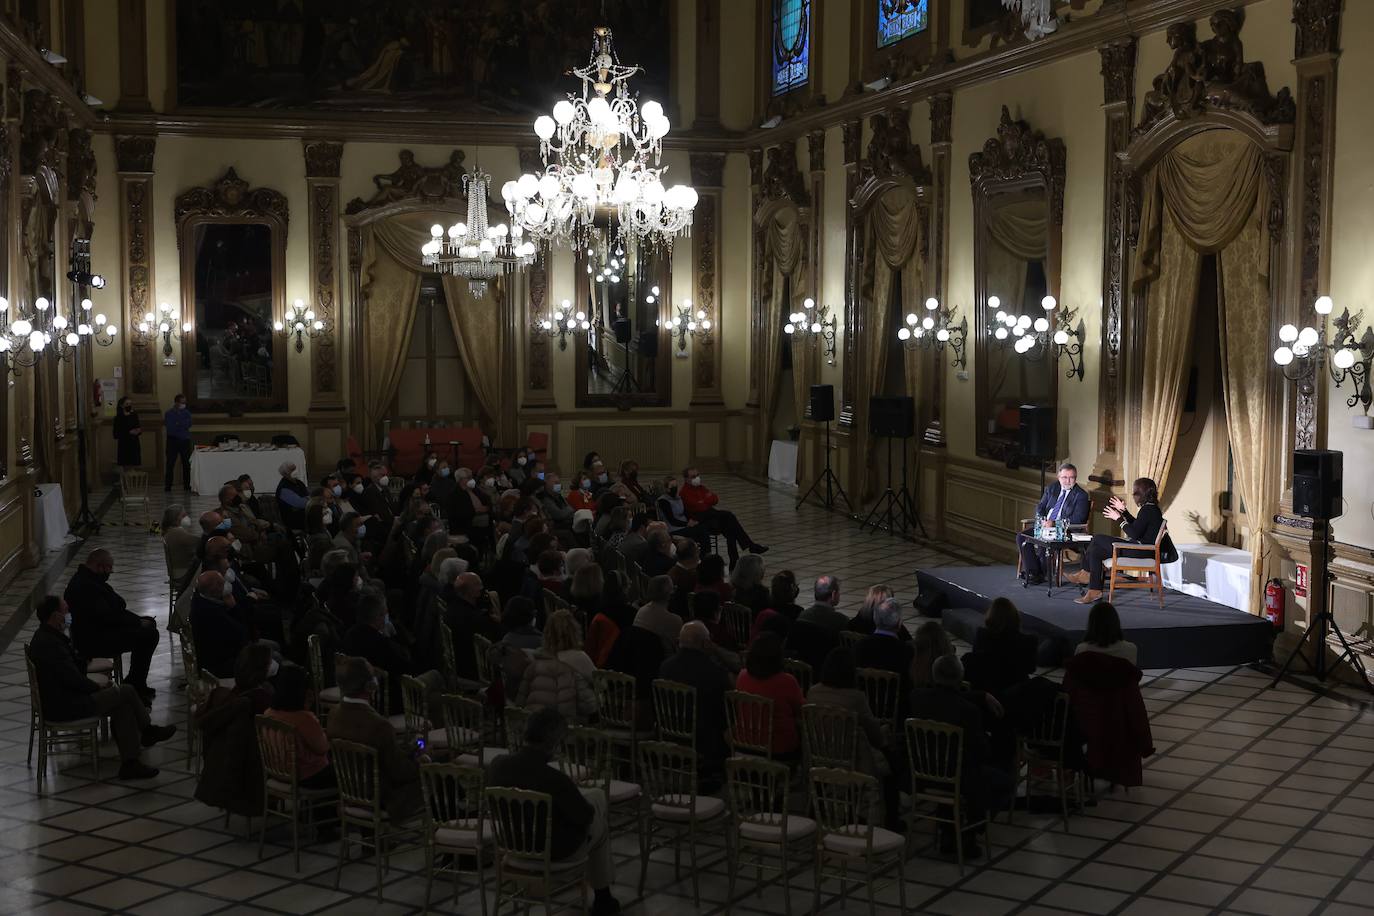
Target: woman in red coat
(763, 676)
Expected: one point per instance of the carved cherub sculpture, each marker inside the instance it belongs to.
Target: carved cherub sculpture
(1180, 87)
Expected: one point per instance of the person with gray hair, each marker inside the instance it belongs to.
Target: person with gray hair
(984, 785)
(355, 720)
(292, 496)
(181, 540)
(660, 554)
(655, 616)
(748, 580)
(579, 814)
(373, 638)
(823, 612)
(885, 650)
(332, 560)
(692, 664)
(887, 617)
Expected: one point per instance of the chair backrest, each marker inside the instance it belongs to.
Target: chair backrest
(757, 790)
(463, 723)
(936, 752)
(133, 485)
(358, 773)
(553, 602)
(1159, 536)
(523, 824)
(615, 698)
(312, 643)
(1044, 735)
(395, 483)
(35, 696)
(849, 639)
(738, 619)
(884, 690)
(415, 704)
(669, 774)
(675, 711)
(448, 658)
(841, 800)
(516, 717)
(481, 650)
(801, 671)
(585, 756)
(381, 699)
(830, 736)
(453, 793)
(277, 747)
(750, 721)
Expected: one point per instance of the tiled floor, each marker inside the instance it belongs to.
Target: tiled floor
(1258, 801)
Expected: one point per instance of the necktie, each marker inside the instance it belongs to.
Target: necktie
(1058, 506)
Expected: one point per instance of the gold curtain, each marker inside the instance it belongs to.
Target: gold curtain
(1208, 195)
(892, 230)
(1022, 228)
(390, 293)
(478, 330)
(786, 286)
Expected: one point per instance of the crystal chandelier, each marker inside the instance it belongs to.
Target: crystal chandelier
(601, 152)
(1036, 15)
(476, 250)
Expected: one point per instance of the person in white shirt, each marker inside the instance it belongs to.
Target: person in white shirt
(1104, 634)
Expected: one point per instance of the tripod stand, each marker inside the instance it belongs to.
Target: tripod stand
(895, 507)
(1322, 623)
(832, 483)
(626, 383)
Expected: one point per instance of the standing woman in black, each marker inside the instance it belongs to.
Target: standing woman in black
(128, 454)
(1141, 528)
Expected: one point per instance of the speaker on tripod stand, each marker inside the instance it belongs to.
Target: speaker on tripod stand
(823, 408)
(894, 418)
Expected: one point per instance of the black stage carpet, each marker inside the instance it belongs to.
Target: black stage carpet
(1187, 632)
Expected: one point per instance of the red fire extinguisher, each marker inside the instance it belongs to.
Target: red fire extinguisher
(1273, 602)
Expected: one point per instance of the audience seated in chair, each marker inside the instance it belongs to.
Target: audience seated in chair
(782, 595)
(373, 638)
(289, 695)
(579, 815)
(104, 627)
(836, 687)
(1003, 657)
(355, 720)
(217, 630)
(684, 571)
(68, 693)
(614, 616)
(706, 610)
(181, 540)
(885, 650)
(517, 624)
(655, 616)
(763, 675)
(660, 555)
(232, 776)
(292, 496)
(747, 584)
(862, 622)
(823, 611)
(559, 673)
(1104, 696)
(701, 505)
(1104, 634)
(693, 665)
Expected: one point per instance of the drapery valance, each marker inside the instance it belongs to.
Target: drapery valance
(1021, 228)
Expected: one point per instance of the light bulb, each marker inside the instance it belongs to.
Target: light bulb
(808, 303)
(1324, 305)
(1283, 356)
(701, 313)
(42, 303)
(59, 322)
(691, 325)
(788, 329)
(5, 304)
(927, 322)
(903, 334)
(318, 325)
(654, 290)
(1001, 316)
(994, 302)
(21, 328)
(942, 335)
(581, 315)
(163, 327)
(598, 110)
(1343, 359)
(1288, 333)
(1308, 337)
(650, 300)
(436, 231)
(149, 317)
(1042, 325)
(932, 303)
(1000, 333)
(86, 305)
(186, 326)
(164, 307)
(651, 110)
(1048, 303)
(563, 111)
(278, 326)
(544, 127)
(309, 314)
(112, 330)
(706, 325)
(1023, 321)
(911, 318)
(72, 339)
(1019, 331)
(1061, 337)
(97, 281)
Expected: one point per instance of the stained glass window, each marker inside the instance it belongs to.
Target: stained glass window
(898, 19)
(791, 44)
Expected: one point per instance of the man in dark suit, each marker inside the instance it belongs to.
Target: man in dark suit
(823, 612)
(355, 720)
(104, 627)
(1063, 499)
(375, 500)
(69, 694)
(1142, 529)
(579, 816)
(691, 665)
(217, 630)
(886, 650)
(371, 638)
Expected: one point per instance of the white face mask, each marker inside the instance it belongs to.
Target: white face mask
(338, 490)
(602, 477)
(362, 530)
(237, 545)
(273, 668)
(327, 517)
(383, 480)
(672, 551)
(67, 621)
(696, 481)
(488, 483)
(558, 488)
(471, 484)
(228, 588)
(230, 575)
(187, 523)
(247, 494)
(358, 488)
(520, 461)
(431, 462)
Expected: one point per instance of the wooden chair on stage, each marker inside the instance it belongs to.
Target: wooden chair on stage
(1136, 568)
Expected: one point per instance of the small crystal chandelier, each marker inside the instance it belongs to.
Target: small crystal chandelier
(476, 250)
(601, 151)
(1037, 16)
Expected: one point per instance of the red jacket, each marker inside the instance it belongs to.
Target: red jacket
(1104, 694)
(697, 500)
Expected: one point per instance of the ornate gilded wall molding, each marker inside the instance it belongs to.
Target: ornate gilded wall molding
(230, 196)
(708, 175)
(941, 151)
(851, 133)
(1118, 96)
(322, 160)
(134, 159)
(1018, 151)
(412, 181)
(1212, 75)
(815, 149)
(539, 354)
(134, 153)
(782, 179)
(81, 166)
(890, 152)
(1318, 27)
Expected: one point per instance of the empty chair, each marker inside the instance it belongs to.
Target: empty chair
(675, 712)
(619, 709)
(844, 842)
(360, 806)
(936, 754)
(764, 829)
(454, 826)
(133, 494)
(1042, 753)
(676, 811)
(830, 736)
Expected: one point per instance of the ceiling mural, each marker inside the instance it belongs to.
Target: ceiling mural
(477, 57)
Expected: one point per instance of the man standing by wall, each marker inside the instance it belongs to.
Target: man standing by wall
(177, 428)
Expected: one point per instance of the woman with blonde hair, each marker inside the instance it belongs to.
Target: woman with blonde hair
(862, 622)
(559, 674)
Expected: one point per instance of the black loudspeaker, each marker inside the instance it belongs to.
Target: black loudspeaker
(892, 417)
(1037, 431)
(1317, 483)
(621, 326)
(648, 344)
(822, 403)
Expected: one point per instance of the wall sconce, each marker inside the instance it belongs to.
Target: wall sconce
(815, 323)
(163, 324)
(1348, 355)
(565, 321)
(1033, 339)
(685, 323)
(936, 331)
(300, 323)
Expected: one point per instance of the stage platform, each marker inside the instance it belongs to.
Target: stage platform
(1187, 632)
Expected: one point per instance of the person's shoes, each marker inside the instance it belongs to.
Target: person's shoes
(605, 904)
(1034, 580)
(757, 548)
(155, 734)
(1091, 596)
(1077, 577)
(136, 769)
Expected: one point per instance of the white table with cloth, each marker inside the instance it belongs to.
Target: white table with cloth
(1212, 571)
(50, 517)
(211, 467)
(782, 462)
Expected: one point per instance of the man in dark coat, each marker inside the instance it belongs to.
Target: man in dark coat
(217, 630)
(67, 693)
(693, 666)
(104, 627)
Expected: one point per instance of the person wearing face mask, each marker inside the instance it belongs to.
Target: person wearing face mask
(601, 480)
(104, 627)
(518, 472)
(181, 542)
(248, 493)
(292, 495)
(333, 484)
(429, 469)
(443, 484)
(579, 495)
(319, 541)
(700, 504)
(555, 507)
(352, 530)
(177, 428)
(217, 630)
(270, 555)
(69, 693)
(369, 638)
(375, 498)
(252, 604)
(629, 482)
(126, 429)
(469, 510)
(673, 513)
